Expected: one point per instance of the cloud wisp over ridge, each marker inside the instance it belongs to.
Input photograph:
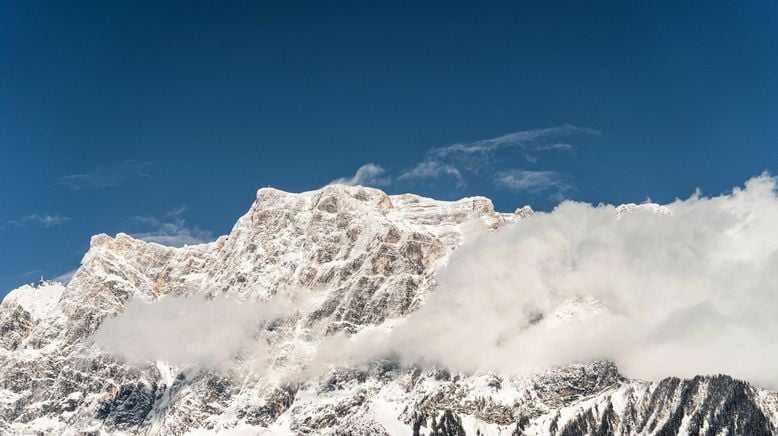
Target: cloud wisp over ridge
(106, 177)
(369, 174)
(172, 230)
(66, 276)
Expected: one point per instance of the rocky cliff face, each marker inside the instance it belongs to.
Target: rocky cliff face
(363, 259)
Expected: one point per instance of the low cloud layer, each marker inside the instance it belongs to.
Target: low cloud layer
(188, 331)
(693, 292)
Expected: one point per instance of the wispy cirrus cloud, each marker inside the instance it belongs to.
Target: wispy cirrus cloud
(490, 157)
(433, 169)
(43, 220)
(533, 182)
(508, 161)
(172, 230)
(527, 141)
(106, 177)
(369, 174)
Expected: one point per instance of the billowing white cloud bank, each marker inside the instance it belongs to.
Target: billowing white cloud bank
(693, 292)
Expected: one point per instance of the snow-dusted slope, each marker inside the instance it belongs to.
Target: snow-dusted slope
(358, 259)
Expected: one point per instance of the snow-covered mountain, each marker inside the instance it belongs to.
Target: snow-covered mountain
(355, 260)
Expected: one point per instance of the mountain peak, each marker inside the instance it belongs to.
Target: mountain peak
(359, 261)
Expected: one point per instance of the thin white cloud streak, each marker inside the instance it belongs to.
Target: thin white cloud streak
(528, 140)
(369, 174)
(533, 182)
(189, 331)
(46, 220)
(480, 158)
(43, 220)
(106, 177)
(172, 231)
(458, 161)
(693, 292)
(432, 169)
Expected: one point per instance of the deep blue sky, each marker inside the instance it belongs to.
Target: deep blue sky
(163, 119)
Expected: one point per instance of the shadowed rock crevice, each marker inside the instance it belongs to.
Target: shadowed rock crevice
(129, 408)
